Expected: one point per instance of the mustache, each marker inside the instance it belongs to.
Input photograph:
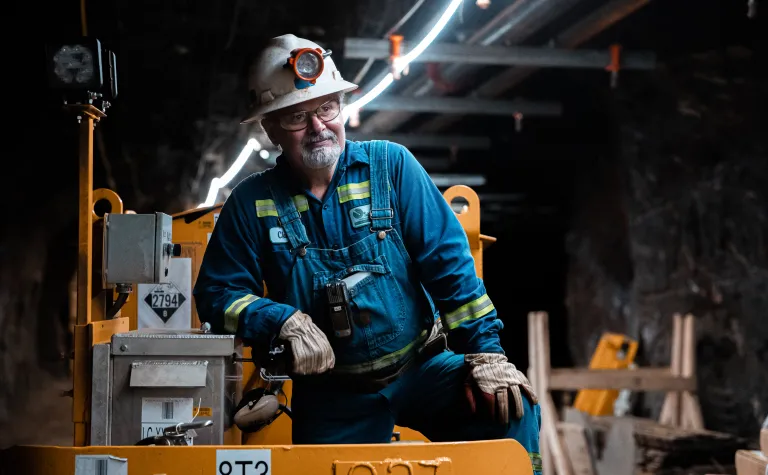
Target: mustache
(324, 135)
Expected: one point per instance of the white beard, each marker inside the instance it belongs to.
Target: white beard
(323, 157)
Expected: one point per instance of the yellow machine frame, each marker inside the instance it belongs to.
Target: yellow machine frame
(487, 457)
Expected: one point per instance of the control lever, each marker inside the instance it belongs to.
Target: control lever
(179, 434)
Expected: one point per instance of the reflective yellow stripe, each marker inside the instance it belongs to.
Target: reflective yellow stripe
(301, 202)
(268, 208)
(385, 360)
(232, 314)
(265, 208)
(354, 191)
(535, 461)
(474, 309)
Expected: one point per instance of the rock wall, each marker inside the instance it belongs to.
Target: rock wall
(676, 221)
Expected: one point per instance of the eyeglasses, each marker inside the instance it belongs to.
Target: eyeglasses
(296, 121)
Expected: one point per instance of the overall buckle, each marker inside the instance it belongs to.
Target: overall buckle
(390, 216)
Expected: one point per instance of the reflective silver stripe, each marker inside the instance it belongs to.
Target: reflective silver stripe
(232, 314)
(265, 208)
(474, 309)
(301, 202)
(354, 191)
(385, 360)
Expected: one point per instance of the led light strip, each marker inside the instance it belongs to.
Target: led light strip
(218, 183)
(253, 145)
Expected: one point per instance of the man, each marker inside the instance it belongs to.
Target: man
(365, 216)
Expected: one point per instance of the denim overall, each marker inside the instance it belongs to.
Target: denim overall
(391, 321)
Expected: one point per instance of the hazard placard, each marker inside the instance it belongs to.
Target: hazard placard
(164, 300)
(168, 305)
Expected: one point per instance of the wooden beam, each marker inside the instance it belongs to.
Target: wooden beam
(641, 379)
(670, 410)
(691, 417)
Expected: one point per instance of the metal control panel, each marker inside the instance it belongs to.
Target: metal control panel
(137, 248)
(147, 380)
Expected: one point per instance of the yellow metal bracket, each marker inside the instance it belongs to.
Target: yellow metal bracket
(115, 203)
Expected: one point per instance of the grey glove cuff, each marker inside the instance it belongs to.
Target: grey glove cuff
(478, 359)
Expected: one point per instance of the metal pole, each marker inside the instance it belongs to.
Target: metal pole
(86, 115)
(460, 105)
(362, 48)
(85, 225)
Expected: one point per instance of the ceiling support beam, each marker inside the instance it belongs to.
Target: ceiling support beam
(600, 19)
(460, 105)
(464, 142)
(513, 25)
(364, 48)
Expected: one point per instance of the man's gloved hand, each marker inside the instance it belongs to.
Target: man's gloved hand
(312, 353)
(498, 384)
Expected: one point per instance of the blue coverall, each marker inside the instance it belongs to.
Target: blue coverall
(272, 229)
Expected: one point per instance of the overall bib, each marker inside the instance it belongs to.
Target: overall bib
(391, 320)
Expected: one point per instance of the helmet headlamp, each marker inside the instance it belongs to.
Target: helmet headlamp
(307, 63)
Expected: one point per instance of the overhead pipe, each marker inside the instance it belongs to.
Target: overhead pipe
(461, 105)
(512, 25)
(589, 26)
(541, 56)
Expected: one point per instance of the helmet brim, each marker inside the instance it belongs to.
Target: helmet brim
(297, 97)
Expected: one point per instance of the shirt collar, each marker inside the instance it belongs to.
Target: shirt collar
(353, 153)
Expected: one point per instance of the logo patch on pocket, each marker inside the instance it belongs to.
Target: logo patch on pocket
(360, 216)
(277, 235)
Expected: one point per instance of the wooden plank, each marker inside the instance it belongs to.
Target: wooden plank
(549, 414)
(670, 410)
(534, 373)
(532, 353)
(691, 410)
(640, 379)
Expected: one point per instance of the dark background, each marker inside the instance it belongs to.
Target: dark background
(638, 202)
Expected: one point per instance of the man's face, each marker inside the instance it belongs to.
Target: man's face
(318, 144)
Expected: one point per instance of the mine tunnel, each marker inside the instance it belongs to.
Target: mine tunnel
(574, 228)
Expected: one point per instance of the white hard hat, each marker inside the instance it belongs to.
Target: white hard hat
(274, 81)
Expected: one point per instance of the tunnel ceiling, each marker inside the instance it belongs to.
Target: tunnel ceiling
(182, 65)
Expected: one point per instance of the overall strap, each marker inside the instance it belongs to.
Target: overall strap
(289, 218)
(381, 210)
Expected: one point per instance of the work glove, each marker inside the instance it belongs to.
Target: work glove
(312, 352)
(499, 385)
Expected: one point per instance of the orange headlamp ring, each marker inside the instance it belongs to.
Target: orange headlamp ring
(295, 54)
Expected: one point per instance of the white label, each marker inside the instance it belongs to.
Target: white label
(209, 238)
(244, 462)
(100, 465)
(277, 235)
(157, 413)
(168, 305)
(215, 218)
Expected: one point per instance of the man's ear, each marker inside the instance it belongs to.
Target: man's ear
(269, 129)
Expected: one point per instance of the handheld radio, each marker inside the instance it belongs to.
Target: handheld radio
(338, 308)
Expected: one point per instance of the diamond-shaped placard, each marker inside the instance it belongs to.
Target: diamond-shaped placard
(164, 300)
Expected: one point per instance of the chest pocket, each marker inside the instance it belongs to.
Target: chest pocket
(376, 304)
